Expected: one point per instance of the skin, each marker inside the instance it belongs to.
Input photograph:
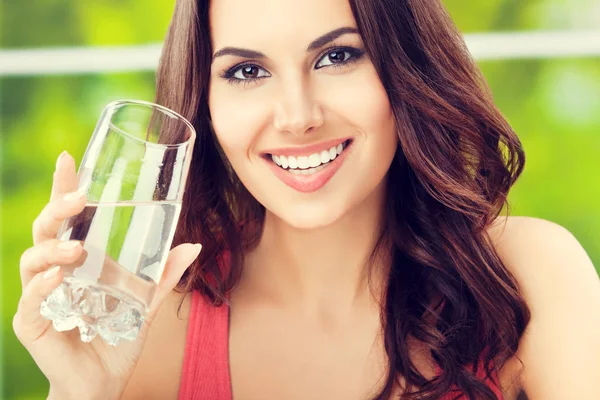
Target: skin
(327, 322)
(318, 303)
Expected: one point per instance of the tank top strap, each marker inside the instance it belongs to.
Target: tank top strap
(491, 382)
(205, 373)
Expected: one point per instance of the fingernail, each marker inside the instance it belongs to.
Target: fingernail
(51, 272)
(70, 245)
(60, 157)
(75, 195)
(198, 247)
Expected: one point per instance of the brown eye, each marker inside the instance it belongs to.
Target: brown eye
(250, 72)
(247, 72)
(336, 57)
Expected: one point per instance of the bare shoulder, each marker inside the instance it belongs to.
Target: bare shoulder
(560, 349)
(543, 256)
(518, 233)
(158, 371)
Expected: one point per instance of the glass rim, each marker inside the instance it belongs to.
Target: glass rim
(114, 104)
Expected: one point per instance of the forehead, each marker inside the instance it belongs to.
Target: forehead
(252, 23)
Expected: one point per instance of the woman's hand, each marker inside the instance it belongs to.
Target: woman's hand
(77, 370)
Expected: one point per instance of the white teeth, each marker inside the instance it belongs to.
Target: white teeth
(306, 171)
(332, 154)
(293, 163)
(308, 164)
(303, 162)
(284, 161)
(314, 160)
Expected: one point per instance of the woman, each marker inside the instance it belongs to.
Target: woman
(348, 177)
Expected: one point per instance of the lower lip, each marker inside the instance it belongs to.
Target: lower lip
(312, 182)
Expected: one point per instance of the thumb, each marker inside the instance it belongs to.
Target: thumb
(180, 258)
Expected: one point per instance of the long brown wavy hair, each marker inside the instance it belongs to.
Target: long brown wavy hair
(449, 180)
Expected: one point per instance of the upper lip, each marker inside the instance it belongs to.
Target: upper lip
(306, 150)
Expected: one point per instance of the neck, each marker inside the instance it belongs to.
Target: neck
(329, 267)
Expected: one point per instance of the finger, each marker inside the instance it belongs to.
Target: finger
(47, 224)
(65, 176)
(180, 258)
(28, 323)
(47, 254)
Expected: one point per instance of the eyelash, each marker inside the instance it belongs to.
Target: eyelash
(355, 55)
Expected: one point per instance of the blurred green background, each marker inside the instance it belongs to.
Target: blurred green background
(553, 104)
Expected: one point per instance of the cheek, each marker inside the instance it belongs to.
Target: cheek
(365, 106)
(236, 119)
(361, 100)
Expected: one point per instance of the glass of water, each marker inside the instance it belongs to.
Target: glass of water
(134, 173)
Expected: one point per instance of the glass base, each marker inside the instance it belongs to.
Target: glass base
(95, 309)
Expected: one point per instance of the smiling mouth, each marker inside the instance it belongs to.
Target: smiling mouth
(308, 164)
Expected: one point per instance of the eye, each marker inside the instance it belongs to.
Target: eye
(337, 56)
(247, 72)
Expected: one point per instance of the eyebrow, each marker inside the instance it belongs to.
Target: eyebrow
(315, 44)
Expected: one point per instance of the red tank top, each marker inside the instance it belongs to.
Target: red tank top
(205, 374)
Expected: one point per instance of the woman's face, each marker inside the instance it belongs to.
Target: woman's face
(298, 108)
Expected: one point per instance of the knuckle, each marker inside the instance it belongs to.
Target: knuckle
(36, 224)
(21, 301)
(17, 326)
(25, 257)
(40, 256)
(40, 227)
(46, 259)
(52, 214)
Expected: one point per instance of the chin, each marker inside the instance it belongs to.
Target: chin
(308, 216)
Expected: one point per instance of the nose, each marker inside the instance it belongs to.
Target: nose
(296, 111)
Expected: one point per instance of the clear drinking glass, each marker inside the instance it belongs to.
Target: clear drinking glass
(134, 172)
